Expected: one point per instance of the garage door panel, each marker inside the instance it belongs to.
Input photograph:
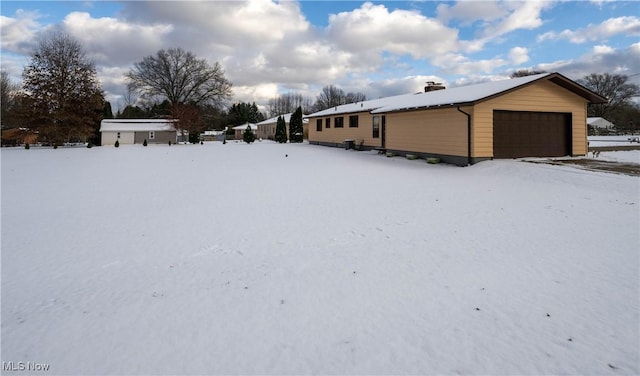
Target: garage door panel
(531, 134)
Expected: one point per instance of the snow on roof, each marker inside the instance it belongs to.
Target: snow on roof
(274, 120)
(594, 119)
(447, 97)
(244, 126)
(137, 125)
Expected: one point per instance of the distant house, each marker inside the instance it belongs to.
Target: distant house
(239, 130)
(18, 136)
(267, 128)
(542, 115)
(135, 131)
(212, 136)
(599, 123)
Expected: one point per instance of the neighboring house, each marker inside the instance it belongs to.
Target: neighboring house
(18, 136)
(239, 130)
(267, 128)
(135, 131)
(542, 115)
(600, 123)
(212, 136)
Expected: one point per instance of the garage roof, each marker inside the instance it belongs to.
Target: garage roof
(458, 96)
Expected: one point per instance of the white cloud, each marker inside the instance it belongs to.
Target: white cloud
(456, 64)
(602, 49)
(520, 15)
(109, 40)
(624, 61)
(518, 55)
(19, 33)
(375, 28)
(470, 11)
(500, 19)
(628, 25)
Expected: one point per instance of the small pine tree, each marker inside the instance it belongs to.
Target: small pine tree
(89, 145)
(248, 136)
(281, 130)
(26, 146)
(117, 144)
(144, 143)
(295, 126)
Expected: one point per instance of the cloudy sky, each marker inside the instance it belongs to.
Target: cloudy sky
(379, 48)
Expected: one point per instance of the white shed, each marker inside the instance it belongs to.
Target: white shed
(135, 131)
(600, 123)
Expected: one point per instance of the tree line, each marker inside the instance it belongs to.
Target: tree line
(62, 99)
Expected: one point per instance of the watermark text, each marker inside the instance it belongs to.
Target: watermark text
(24, 366)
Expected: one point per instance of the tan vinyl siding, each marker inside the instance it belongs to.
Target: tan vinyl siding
(442, 131)
(333, 135)
(541, 96)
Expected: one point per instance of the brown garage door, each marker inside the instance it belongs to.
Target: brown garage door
(531, 134)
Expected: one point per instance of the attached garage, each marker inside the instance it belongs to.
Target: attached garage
(531, 134)
(543, 115)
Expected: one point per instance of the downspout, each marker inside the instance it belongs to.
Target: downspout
(469, 162)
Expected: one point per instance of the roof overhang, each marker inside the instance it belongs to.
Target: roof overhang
(576, 88)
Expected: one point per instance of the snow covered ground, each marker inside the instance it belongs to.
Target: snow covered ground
(299, 259)
(611, 140)
(627, 156)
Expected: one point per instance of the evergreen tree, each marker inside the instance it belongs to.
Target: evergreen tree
(107, 113)
(281, 130)
(61, 84)
(295, 126)
(248, 136)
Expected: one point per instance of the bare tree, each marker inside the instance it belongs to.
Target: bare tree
(288, 103)
(62, 90)
(8, 92)
(332, 96)
(615, 88)
(181, 78)
(355, 97)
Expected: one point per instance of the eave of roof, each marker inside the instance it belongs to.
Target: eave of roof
(458, 96)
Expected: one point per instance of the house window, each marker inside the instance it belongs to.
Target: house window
(339, 122)
(327, 123)
(319, 125)
(376, 127)
(152, 135)
(353, 121)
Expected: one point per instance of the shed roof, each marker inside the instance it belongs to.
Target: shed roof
(458, 96)
(274, 120)
(137, 125)
(244, 126)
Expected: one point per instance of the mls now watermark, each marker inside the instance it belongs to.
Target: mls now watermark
(24, 366)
